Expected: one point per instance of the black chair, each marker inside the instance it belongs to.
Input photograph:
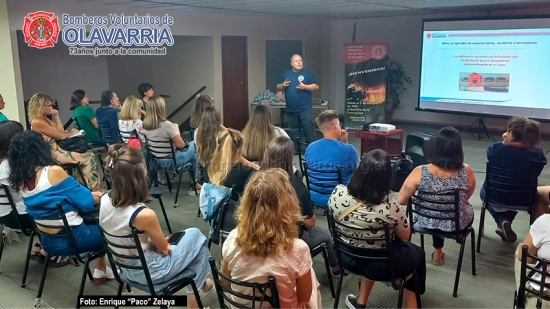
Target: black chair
(320, 183)
(132, 134)
(26, 230)
(70, 167)
(174, 285)
(525, 286)
(66, 232)
(366, 255)
(322, 249)
(442, 206)
(65, 126)
(94, 146)
(225, 221)
(192, 133)
(164, 150)
(263, 292)
(505, 185)
(156, 193)
(107, 135)
(302, 146)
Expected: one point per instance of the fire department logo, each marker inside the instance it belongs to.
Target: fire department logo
(41, 30)
(378, 52)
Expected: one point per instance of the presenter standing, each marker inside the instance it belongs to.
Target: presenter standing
(297, 84)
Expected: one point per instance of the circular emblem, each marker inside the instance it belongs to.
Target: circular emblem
(41, 30)
(301, 78)
(429, 35)
(378, 52)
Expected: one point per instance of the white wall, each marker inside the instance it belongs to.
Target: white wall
(187, 66)
(404, 37)
(257, 29)
(54, 71)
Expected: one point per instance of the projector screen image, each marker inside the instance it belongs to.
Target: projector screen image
(486, 67)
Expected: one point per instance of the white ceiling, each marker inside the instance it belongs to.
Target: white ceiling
(334, 9)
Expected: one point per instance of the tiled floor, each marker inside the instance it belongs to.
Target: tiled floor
(493, 287)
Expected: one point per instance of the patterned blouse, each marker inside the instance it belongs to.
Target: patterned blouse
(367, 216)
(432, 184)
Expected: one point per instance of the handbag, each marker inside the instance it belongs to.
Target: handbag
(76, 144)
(135, 143)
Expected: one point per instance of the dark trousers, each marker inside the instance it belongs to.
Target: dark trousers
(301, 121)
(10, 220)
(438, 242)
(407, 257)
(499, 216)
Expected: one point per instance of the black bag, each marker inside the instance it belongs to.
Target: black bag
(76, 144)
(400, 171)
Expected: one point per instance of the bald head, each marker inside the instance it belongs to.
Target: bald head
(296, 62)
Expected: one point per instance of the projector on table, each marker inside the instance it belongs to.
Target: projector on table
(381, 127)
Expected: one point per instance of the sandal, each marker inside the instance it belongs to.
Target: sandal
(438, 262)
(207, 287)
(39, 255)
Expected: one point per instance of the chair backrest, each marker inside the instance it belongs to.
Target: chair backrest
(122, 261)
(340, 231)
(107, 135)
(440, 206)
(161, 149)
(226, 220)
(192, 133)
(76, 123)
(322, 181)
(5, 195)
(264, 292)
(514, 188)
(301, 149)
(529, 283)
(64, 232)
(128, 134)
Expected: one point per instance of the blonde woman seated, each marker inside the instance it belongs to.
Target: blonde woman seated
(201, 104)
(259, 131)
(123, 208)
(40, 106)
(206, 135)
(265, 243)
(228, 167)
(160, 131)
(129, 119)
(369, 193)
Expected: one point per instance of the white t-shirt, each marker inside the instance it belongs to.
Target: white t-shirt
(540, 232)
(17, 199)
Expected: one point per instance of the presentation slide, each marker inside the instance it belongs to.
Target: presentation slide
(488, 67)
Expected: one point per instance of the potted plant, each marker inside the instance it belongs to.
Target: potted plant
(396, 85)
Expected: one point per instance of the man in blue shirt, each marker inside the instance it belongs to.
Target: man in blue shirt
(328, 154)
(107, 118)
(298, 83)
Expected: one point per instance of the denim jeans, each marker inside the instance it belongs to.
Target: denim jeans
(183, 156)
(301, 121)
(499, 216)
(86, 237)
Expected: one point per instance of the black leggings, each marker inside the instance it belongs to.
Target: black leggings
(439, 241)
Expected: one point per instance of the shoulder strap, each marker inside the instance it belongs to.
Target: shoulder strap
(350, 210)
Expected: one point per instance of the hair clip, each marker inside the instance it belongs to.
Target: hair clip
(111, 164)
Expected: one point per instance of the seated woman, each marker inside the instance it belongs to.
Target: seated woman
(369, 193)
(160, 131)
(265, 243)
(42, 186)
(129, 119)
(259, 131)
(539, 245)
(40, 107)
(123, 208)
(519, 147)
(85, 115)
(228, 168)
(201, 104)
(206, 135)
(279, 154)
(445, 172)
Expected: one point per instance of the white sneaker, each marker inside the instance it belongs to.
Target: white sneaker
(107, 274)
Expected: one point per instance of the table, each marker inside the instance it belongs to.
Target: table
(390, 142)
(282, 107)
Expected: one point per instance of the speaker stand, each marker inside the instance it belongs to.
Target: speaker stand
(481, 129)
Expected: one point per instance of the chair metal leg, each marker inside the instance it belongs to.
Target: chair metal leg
(165, 216)
(459, 267)
(329, 271)
(42, 281)
(338, 289)
(119, 291)
(417, 293)
(178, 191)
(27, 259)
(199, 212)
(1, 244)
(480, 229)
(400, 297)
(83, 281)
(422, 241)
(473, 236)
(197, 295)
(209, 243)
(168, 181)
(90, 275)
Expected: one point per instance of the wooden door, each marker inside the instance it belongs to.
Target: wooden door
(235, 81)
